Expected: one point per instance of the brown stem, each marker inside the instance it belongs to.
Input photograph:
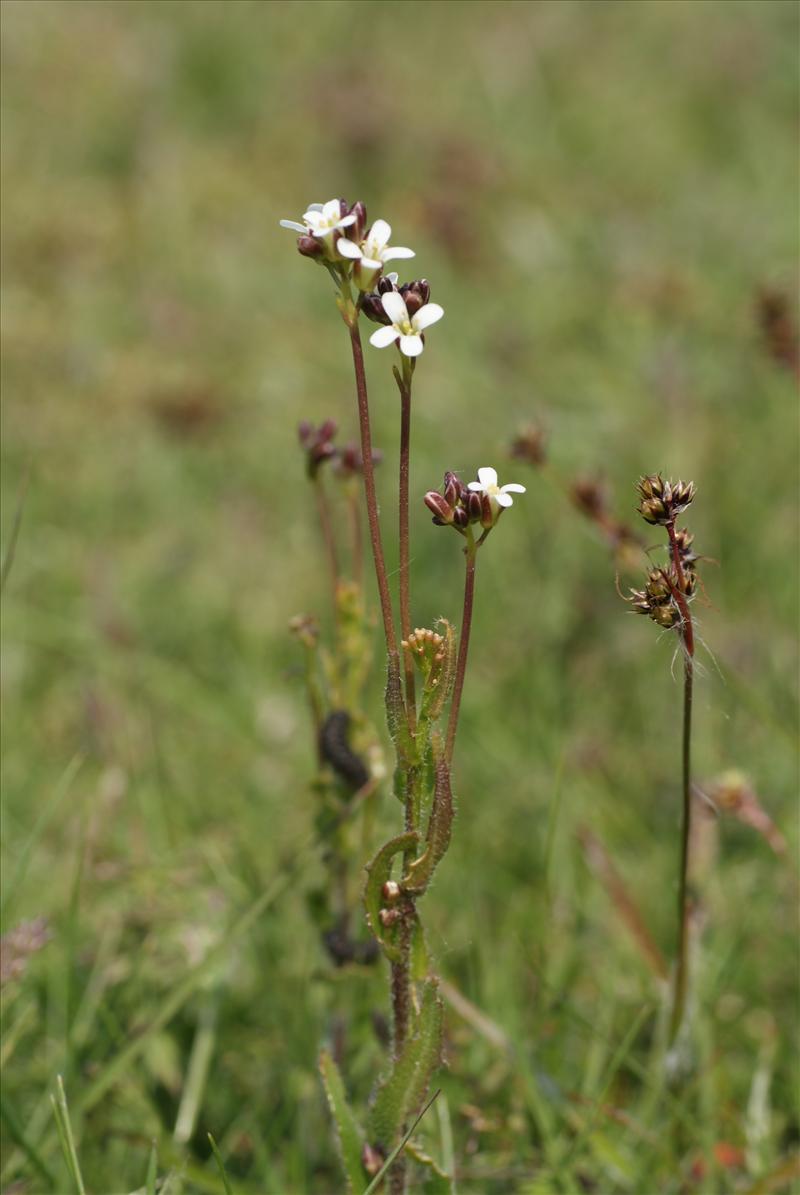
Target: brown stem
(372, 506)
(687, 633)
(328, 539)
(463, 645)
(405, 601)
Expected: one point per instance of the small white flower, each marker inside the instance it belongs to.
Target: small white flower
(322, 220)
(497, 495)
(372, 253)
(404, 327)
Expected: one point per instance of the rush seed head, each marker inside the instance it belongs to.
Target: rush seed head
(661, 501)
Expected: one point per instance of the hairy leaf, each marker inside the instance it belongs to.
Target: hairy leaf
(439, 828)
(401, 1095)
(347, 1130)
(378, 872)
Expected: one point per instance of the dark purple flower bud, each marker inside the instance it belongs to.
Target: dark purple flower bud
(385, 285)
(452, 488)
(373, 308)
(416, 294)
(487, 514)
(474, 503)
(350, 463)
(460, 518)
(441, 509)
(309, 246)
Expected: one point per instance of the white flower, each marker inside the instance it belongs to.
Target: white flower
(322, 220)
(497, 495)
(405, 327)
(372, 253)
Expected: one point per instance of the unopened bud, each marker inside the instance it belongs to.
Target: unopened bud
(309, 246)
(390, 890)
(439, 506)
(389, 917)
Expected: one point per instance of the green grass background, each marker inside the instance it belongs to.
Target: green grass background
(597, 192)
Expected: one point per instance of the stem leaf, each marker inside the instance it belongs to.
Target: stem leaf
(378, 872)
(400, 1095)
(347, 1130)
(440, 826)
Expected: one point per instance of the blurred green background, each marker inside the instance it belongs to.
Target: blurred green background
(599, 193)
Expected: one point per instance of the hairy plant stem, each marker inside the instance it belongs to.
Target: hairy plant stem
(687, 636)
(404, 385)
(470, 551)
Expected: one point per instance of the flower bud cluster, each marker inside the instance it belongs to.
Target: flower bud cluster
(414, 294)
(660, 501)
(318, 445)
(481, 501)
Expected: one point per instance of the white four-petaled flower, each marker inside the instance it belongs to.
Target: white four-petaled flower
(322, 220)
(372, 253)
(497, 495)
(404, 327)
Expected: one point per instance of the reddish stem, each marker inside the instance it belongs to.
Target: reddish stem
(463, 646)
(405, 601)
(372, 504)
(329, 540)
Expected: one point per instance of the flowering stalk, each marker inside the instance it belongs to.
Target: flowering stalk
(404, 386)
(665, 599)
(398, 876)
(687, 635)
(471, 553)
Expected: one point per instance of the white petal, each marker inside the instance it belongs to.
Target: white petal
(476, 487)
(295, 227)
(384, 337)
(411, 346)
(512, 488)
(394, 306)
(314, 219)
(397, 251)
(315, 207)
(503, 499)
(427, 315)
(367, 263)
(346, 221)
(380, 233)
(347, 248)
(331, 209)
(487, 475)
(393, 277)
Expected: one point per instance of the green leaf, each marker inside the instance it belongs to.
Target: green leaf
(399, 1096)
(378, 872)
(349, 1135)
(440, 826)
(152, 1171)
(220, 1165)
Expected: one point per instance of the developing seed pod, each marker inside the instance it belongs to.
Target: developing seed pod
(335, 750)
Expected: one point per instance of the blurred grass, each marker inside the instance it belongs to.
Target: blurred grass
(598, 193)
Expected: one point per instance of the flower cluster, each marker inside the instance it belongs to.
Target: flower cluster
(662, 501)
(481, 501)
(657, 599)
(668, 590)
(338, 237)
(318, 445)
